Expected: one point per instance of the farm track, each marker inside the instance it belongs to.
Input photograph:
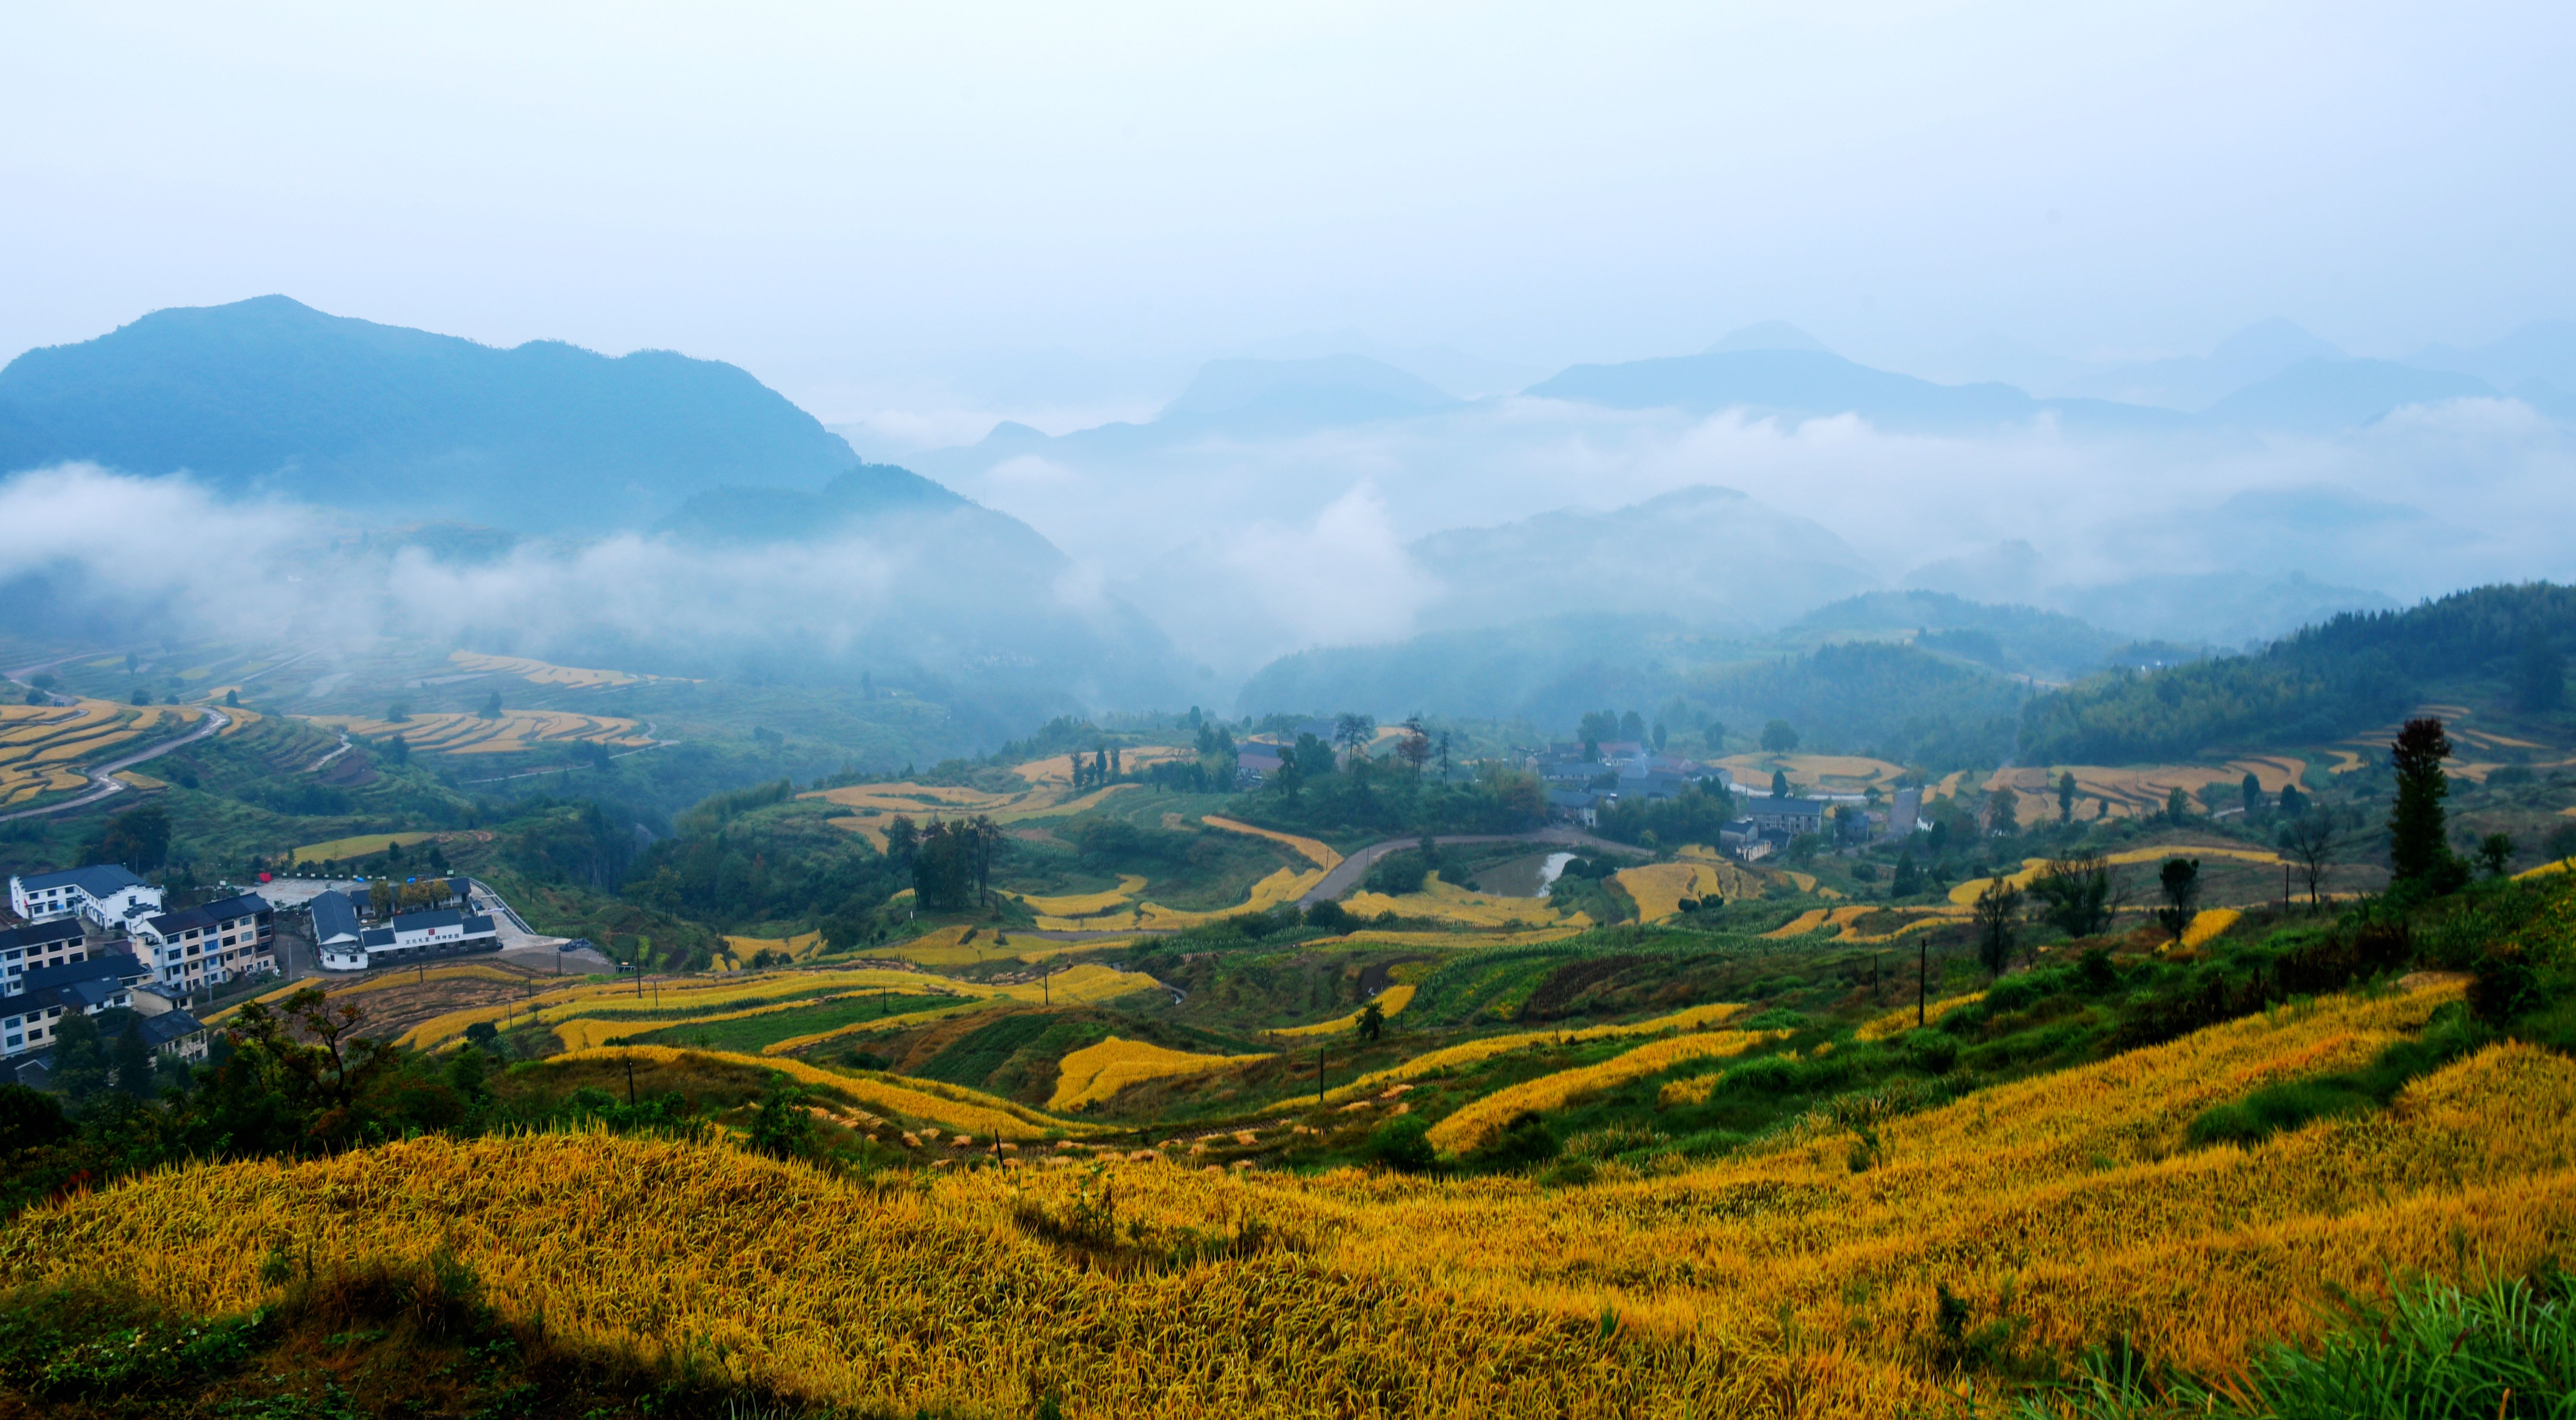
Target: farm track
(103, 779)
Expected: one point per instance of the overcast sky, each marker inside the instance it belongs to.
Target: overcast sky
(843, 198)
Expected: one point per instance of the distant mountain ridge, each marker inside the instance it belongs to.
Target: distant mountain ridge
(271, 395)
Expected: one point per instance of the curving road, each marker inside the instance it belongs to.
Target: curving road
(1348, 873)
(103, 778)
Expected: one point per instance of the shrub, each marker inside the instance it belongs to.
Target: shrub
(1402, 1144)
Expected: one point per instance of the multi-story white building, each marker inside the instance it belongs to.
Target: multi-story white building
(197, 947)
(39, 945)
(102, 893)
(30, 1017)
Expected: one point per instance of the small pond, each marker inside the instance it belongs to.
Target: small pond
(1529, 875)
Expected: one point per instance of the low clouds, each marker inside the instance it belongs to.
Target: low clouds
(1248, 549)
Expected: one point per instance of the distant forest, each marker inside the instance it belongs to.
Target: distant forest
(2327, 681)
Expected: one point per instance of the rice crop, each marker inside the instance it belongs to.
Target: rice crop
(363, 845)
(1084, 904)
(2058, 1214)
(1471, 1127)
(512, 732)
(1658, 888)
(2209, 925)
(1899, 1022)
(1817, 919)
(42, 746)
(1095, 1073)
(1442, 901)
(672, 1000)
(1966, 894)
(1390, 1001)
(1316, 852)
(1695, 1018)
(543, 672)
(951, 1107)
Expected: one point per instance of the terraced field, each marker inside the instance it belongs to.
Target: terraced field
(544, 672)
(42, 747)
(512, 732)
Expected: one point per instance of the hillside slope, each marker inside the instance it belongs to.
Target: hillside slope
(269, 394)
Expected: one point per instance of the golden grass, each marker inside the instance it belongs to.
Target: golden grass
(2135, 790)
(1388, 1003)
(1967, 893)
(1777, 1283)
(1846, 773)
(1471, 1127)
(1057, 773)
(1460, 941)
(1096, 1073)
(513, 732)
(794, 948)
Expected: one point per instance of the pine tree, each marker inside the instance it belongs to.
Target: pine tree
(2253, 790)
(2066, 797)
(2418, 846)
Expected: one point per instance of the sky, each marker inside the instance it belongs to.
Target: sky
(945, 213)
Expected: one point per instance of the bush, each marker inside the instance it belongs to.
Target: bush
(1402, 1144)
(1398, 873)
(1328, 916)
(30, 1119)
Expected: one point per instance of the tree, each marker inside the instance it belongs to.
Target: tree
(1372, 1021)
(380, 897)
(2253, 791)
(1908, 879)
(30, 1119)
(133, 1062)
(2309, 841)
(1660, 737)
(2003, 810)
(2496, 852)
(1998, 913)
(142, 696)
(139, 838)
(79, 1056)
(491, 707)
(1779, 783)
(233, 699)
(1778, 737)
(782, 1127)
(2418, 849)
(2066, 796)
(397, 750)
(2179, 881)
(397, 713)
(2177, 805)
(2293, 803)
(1632, 727)
(1415, 748)
(902, 837)
(2539, 678)
(2562, 842)
(2080, 895)
(1350, 732)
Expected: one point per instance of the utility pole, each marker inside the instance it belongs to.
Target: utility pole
(1922, 979)
(1319, 1074)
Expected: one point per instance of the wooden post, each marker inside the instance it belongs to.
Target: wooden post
(1319, 1075)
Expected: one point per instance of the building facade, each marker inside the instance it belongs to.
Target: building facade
(39, 945)
(101, 893)
(199, 947)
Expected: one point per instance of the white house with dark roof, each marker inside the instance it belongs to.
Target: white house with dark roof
(413, 936)
(102, 893)
(198, 947)
(39, 945)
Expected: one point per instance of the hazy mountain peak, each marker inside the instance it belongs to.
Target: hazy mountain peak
(2272, 345)
(1329, 389)
(1768, 335)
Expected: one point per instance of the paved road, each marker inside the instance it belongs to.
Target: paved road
(103, 778)
(1351, 869)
